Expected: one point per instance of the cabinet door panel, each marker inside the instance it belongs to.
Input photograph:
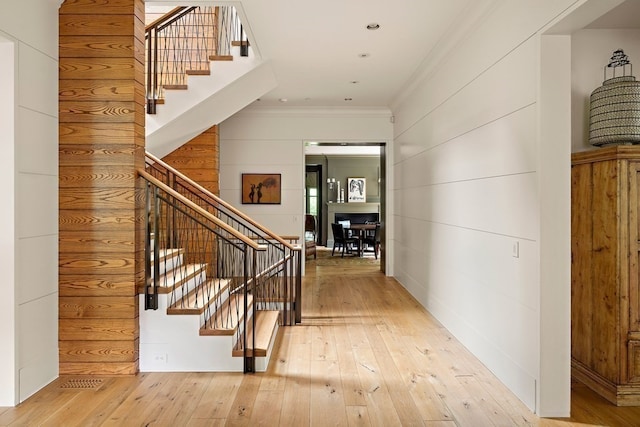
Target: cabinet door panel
(605, 270)
(634, 246)
(634, 361)
(581, 264)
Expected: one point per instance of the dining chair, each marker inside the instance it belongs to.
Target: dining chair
(310, 236)
(340, 239)
(372, 239)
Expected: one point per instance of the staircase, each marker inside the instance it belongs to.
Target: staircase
(195, 87)
(199, 321)
(219, 286)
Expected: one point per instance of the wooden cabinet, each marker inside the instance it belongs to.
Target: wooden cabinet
(605, 306)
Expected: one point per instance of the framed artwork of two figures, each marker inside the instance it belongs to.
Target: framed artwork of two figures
(261, 188)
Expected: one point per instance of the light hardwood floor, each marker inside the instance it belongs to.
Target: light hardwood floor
(365, 354)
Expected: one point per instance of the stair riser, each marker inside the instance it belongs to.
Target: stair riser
(169, 264)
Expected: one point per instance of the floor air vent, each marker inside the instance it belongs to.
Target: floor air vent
(82, 383)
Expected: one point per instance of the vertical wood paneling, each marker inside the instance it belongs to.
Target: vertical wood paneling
(101, 109)
(581, 247)
(605, 258)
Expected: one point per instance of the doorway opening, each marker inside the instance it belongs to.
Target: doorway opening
(313, 197)
(329, 166)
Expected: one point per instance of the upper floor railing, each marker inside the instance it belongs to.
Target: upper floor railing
(183, 42)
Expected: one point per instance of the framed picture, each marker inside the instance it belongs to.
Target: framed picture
(261, 189)
(356, 190)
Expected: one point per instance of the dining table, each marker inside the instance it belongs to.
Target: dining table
(358, 231)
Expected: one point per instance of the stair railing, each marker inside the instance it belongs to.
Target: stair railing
(280, 289)
(183, 41)
(217, 270)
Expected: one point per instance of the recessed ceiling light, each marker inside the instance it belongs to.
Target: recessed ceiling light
(373, 26)
(283, 99)
(354, 82)
(364, 55)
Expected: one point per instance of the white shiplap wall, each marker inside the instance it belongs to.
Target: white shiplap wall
(30, 28)
(467, 195)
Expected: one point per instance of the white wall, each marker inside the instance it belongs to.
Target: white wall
(469, 200)
(272, 141)
(591, 51)
(32, 28)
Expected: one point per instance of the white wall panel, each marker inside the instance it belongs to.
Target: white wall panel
(336, 124)
(38, 355)
(43, 280)
(34, 22)
(507, 87)
(245, 152)
(38, 81)
(37, 201)
(510, 140)
(505, 205)
(38, 148)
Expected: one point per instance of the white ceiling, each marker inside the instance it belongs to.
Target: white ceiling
(624, 16)
(315, 48)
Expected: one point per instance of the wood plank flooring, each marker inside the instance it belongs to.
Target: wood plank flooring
(366, 354)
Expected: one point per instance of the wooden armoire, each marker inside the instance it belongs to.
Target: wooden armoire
(605, 303)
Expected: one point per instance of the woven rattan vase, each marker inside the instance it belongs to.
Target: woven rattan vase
(615, 106)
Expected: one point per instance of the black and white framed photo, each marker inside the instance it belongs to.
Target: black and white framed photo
(356, 190)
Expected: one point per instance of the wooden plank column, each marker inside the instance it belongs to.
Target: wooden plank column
(101, 127)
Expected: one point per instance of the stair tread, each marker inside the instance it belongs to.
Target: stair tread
(227, 318)
(175, 87)
(198, 72)
(266, 325)
(170, 277)
(220, 57)
(196, 301)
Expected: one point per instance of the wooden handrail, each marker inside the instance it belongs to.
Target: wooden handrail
(271, 234)
(235, 233)
(165, 17)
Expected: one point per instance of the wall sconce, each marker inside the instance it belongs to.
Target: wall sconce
(333, 190)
